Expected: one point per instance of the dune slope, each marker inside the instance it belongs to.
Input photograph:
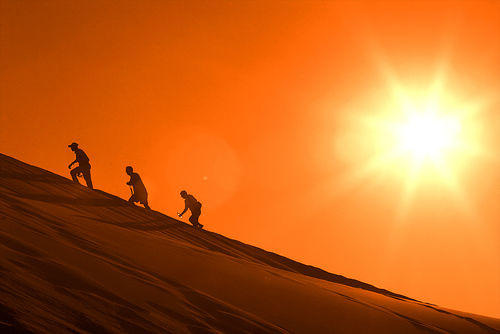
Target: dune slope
(78, 260)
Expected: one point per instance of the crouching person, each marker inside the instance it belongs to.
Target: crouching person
(139, 193)
(192, 204)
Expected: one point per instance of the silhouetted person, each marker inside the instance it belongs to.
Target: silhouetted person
(192, 204)
(83, 165)
(140, 194)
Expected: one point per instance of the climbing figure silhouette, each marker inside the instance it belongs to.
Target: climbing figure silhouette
(192, 204)
(139, 193)
(83, 165)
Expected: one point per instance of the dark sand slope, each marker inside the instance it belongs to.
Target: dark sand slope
(76, 260)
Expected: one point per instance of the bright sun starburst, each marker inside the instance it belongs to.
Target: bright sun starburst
(422, 136)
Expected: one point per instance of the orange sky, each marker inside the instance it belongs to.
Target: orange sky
(244, 104)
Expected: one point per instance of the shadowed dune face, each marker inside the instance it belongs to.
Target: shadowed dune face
(76, 260)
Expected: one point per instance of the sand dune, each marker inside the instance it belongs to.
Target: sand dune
(77, 260)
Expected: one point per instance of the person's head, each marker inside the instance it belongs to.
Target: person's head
(129, 170)
(184, 194)
(73, 146)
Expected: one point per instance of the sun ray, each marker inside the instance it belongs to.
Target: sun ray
(455, 188)
(369, 169)
(409, 189)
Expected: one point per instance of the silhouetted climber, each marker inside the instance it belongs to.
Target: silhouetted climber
(192, 204)
(83, 165)
(139, 193)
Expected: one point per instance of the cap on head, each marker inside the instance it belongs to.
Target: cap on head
(183, 193)
(129, 169)
(73, 145)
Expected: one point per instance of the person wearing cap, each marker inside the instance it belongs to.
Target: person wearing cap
(83, 165)
(139, 194)
(192, 204)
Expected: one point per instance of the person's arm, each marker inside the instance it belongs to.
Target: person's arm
(133, 179)
(185, 209)
(77, 158)
(71, 164)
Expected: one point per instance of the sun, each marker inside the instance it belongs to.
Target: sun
(425, 135)
(428, 135)
(423, 138)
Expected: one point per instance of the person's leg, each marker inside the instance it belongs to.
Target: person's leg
(194, 218)
(74, 172)
(132, 199)
(145, 202)
(88, 179)
(198, 213)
